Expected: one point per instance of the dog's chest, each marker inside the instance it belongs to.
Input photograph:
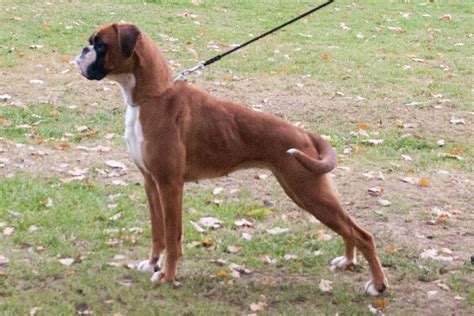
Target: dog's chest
(134, 135)
(133, 128)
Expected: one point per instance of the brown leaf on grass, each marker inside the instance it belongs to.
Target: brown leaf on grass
(363, 125)
(267, 259)
(323, 236)
(16, 18)
(424, 183)
(206, 243)
(222, 274)
(381, 303)
(391, 249)
(62, 146)
(446, 17)
(131, 239)
(457, 150)
(325, 57)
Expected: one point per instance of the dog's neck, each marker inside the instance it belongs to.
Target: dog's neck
(151, 75)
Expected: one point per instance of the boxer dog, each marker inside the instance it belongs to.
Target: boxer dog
(177, 133)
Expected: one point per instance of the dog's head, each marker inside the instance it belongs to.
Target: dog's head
(110, 51)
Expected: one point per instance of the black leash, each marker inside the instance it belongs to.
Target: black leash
(212, 60)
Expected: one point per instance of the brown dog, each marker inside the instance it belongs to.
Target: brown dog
(177, 133)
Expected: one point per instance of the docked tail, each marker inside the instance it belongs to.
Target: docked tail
(326, 153)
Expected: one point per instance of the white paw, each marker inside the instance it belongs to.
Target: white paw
(146, 266)
(370, 289)
(291, 151)
(342, 262)
(155, 278)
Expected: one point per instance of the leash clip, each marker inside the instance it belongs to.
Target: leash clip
(188, 71)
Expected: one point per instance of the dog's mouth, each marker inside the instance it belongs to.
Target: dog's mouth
(91, 64)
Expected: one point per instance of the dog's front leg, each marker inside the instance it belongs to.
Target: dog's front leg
(171, 194)
(157, 225)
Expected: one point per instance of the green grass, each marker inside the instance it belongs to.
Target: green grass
(379, 67)
(377, 60)
(52, 124)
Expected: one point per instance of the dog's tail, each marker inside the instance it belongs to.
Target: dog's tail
(326, 153)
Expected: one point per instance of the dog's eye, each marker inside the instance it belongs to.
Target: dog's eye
(99, 46)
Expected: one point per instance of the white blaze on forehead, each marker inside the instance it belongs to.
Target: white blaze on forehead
(83, 61)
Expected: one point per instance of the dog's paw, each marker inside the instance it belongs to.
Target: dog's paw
(159, 278)
(146, 266)
(291, 151)
(343, 263)
(156, 278)
(372, 291)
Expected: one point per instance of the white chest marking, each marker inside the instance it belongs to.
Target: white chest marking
(133, 127)
(134, 135)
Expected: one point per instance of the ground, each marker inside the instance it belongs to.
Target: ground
(73, 214)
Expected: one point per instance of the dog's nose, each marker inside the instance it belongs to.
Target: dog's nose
(85, 50)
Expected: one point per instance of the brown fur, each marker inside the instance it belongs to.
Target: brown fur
(189, 135)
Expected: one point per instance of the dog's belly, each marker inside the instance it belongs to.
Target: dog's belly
(134, 135)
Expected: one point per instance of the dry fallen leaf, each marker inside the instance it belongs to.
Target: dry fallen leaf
(4, 261)
(384, 202)
(267, 259)
(115, 164)
(325, 286)
(277, 231)
(210, 222)
(206, 243)
(243, 223)
(381, 303)
(233, 248)
(66, 261)
(323, 236)
(446, 17)
(391, 249)
(256, 307)
(289, 257)
(373, 142)
(34, 311)
(363, 125)
(376, 191)
(424, 183)
(246, 236)
(221, 274)
(8, 231)
(197, 227)
(217, 190)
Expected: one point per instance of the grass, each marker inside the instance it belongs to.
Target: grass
(386, 68)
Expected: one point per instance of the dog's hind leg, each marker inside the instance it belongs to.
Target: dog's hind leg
(316, 195)
(347, 261)
(157, 226)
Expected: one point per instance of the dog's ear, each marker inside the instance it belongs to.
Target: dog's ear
(128, 37)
